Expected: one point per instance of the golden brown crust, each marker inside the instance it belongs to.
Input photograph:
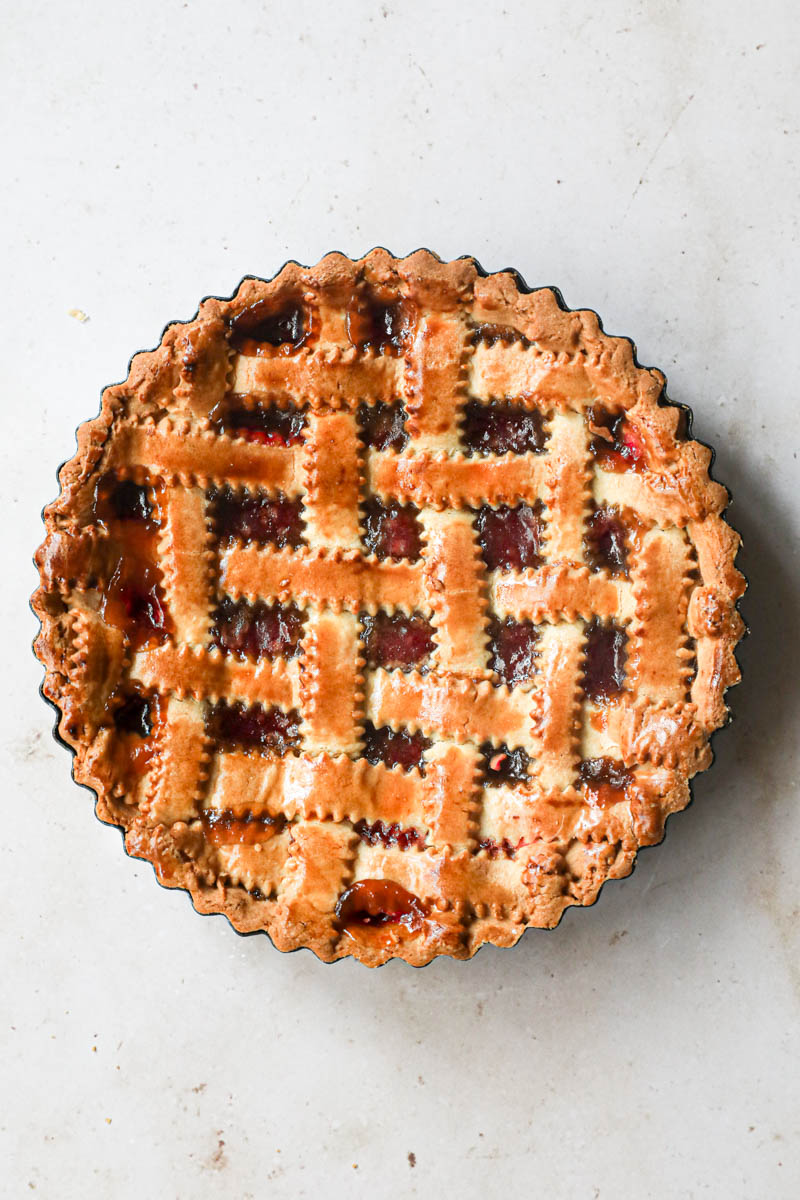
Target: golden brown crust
(484, 862)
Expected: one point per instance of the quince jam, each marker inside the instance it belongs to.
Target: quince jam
(224, 827)
(132, 597)
(376, 903)
(135, 718)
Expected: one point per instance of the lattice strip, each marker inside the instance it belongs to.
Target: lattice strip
(435, 379)
(332, 689)
(454, 586)
(177, 783)
(187, 559)
(319, 378)
(559, 591)
(557, 719)
(568, 475)
(658, 657)
(209, 675)
(333, 481)
(206, 457)
(454, 481)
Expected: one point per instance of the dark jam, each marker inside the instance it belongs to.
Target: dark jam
(379, 902)
(136, 718)
(388, 835)
(502, 765)
(489, 334)
(262, 327)
(257, 630)
(270, 425)
(383, 426)
(512, 650)
(394, 748)
(604, 780)
(256, 517)
(617, 444)
(121, 500)
(224, 827)
(269, 730)
(606, 542)
(391, 530)
(381, 325)
(502, 429)
(495, 849)
(510, 537)
(604, 665)
(393, 641)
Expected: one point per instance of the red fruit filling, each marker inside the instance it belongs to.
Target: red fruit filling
(383, 426)
(268, 729)
(502, 429)
(132, 602)
(512, 650)
(388, 835)
(604, 666)
(258, 630)
(606, 541)
(489, 333)
(617, 445)
(121, 500)
(270, 425)
(394, 748)
(224, 827)
(391, 530)
(397, 640)
(502, 765)
(378, 325)
(133, 715)
(510, 537)
(263, 325)
(377, 902)
(604, 780)
(255, 517)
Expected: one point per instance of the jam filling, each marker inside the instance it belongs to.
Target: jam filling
(132, 601)
(383, 426)
(388, 835)
(606, 541)
(501, 765)
(617, 445)
(495, 849)
(375, 324)
(378, 902)
(247, 517)
(604, 665)
(257, 630)
(391, 530)
(510, 537)
(604, 780)
(512, 650)
(224, 827)
(122, 500)
(489, 334)
(262, 326)
(133, 715)
(270, 426)
(502, 429)
(267, 729)
(396, 640)
(394, 748)
(136, 718)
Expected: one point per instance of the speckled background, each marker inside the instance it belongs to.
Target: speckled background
(644, 157)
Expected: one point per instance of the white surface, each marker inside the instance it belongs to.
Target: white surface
(641, 156)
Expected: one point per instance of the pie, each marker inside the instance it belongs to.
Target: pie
(388, 607)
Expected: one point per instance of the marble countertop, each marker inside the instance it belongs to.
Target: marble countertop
(643, 157)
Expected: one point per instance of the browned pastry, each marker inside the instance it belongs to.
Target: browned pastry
(388, 608)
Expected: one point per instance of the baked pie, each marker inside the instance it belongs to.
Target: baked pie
(388, 607)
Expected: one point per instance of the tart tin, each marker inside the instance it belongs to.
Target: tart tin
(664, 401)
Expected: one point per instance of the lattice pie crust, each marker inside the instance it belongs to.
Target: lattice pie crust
(388, 608)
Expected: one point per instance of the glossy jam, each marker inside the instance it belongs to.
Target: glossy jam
(270, 425)
(391, 530)
(382, 325)
(394, 748)
(397, 640)
(132, 601)
(617, 445)
(489, 334)
(257, 630)
(502, 765)
(502, 429)
(122, 500)
(256, 517)
(388, 835)
(263, 328)
(133, 715)
(224, 827)
(378, 902)
(136, 718)
(604, 666)
(604, 780)
(606, 541)
(269, 730)
(510, 537)
(504, 847)
(383, 426)
(512, 650)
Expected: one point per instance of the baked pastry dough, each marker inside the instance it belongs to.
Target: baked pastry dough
(388, 607)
